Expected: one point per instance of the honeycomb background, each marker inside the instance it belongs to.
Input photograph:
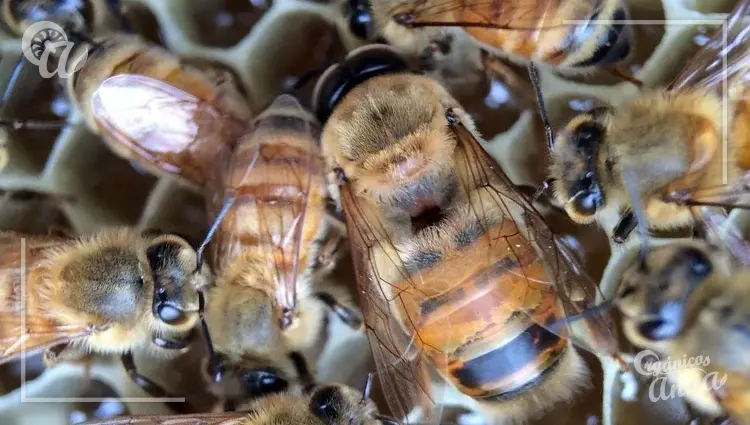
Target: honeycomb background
(71, 182)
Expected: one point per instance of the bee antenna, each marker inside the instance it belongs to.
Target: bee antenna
(535, 82)
(559, 324)
(214, 227)
(33, 125)
(214, 361)
(629, 178)
(204, 326)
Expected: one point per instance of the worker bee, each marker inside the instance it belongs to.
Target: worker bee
(271, 241)
(572, 35)
(687, 299)
(109, 293)
(266, 314)
(457, 271)
(671, 139)
(331, 404)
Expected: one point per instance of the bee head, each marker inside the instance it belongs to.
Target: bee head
(339, 405)
(172, 264)
(575, 165)
(598, 42)
(654, 296)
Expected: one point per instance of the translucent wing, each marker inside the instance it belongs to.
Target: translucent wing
(382, 274)
(557, 285)
(546, 30)
(228, 418)
(161, 127)
(25, 328)
(725, 57)
(266, 183)
(529, 15)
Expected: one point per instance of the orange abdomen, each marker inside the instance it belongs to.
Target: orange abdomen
(478, 325)
(276, 175)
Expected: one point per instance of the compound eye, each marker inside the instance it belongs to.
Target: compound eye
(360, 65)
(656, 330)
(262, 382)
(325, 403)
(360, 18)
(169, 314)
(615, 45)
(700, 265)
(587, 136)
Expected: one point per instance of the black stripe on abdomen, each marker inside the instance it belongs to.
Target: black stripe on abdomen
(502, 363)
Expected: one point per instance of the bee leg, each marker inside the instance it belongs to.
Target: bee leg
(305, 377)
(332, 247)
(348, 315)
(152, 388)
(624, 228)
(62, 352)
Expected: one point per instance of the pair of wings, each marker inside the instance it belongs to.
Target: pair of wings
(259, 177)
(167, 130)
(24, 329)
(387, 280)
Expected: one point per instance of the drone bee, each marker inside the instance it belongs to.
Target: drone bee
(320, 405)
(572, 35)
(670, 138)
(109, 293)
(420, 196)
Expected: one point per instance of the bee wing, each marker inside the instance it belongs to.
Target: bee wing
(506, 14)
(268, 179)
(402, 370)
(160, 126)
(22, 332)
(725, 57)
(556, 284)
(227, 418)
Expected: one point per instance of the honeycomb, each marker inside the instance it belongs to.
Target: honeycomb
(70, 181)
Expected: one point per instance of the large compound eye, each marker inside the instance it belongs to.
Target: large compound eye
(360, 18)
(326, 403)
(360, 65)
(700, 265)
(615, 45)
(658, 329)
(262, 382)
(587, 136)
(169, 278)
